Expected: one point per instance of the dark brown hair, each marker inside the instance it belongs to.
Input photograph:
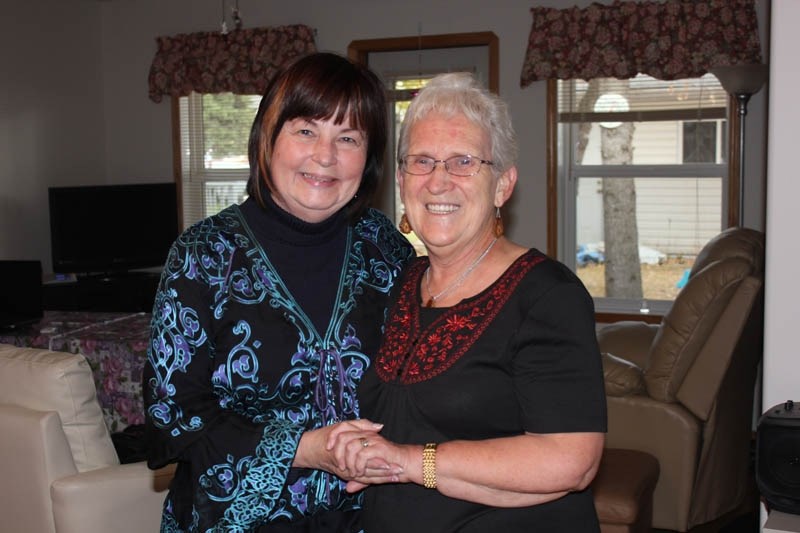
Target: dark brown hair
(316, 87)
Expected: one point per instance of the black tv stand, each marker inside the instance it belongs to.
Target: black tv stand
(117, 291)
(115, 275)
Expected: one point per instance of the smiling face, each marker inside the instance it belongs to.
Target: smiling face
(316, 167)
(452, 214)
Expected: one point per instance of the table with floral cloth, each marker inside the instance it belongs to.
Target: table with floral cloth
(114, 344)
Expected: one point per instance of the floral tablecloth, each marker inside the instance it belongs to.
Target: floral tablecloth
(114, 344)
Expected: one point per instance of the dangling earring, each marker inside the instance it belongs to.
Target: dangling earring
(498, 224)
(404, 226)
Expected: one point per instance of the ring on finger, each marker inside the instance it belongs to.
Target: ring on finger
(364, 442)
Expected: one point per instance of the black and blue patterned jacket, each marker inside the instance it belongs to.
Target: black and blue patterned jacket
(237, 371)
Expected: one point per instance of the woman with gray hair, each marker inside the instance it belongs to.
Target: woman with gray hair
(488, 382)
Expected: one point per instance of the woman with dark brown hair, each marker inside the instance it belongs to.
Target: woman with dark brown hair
(268, 311)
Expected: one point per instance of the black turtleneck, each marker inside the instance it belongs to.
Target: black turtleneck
(307, 256)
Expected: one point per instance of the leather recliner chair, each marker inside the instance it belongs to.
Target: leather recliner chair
(683, 390)
(60, 470)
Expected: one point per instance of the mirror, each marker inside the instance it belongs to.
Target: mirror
(419, 57)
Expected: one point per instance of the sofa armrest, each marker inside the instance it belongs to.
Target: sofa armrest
(33, 452)
(123, 498)
(621, 377)
(628, 339)
(669, 432)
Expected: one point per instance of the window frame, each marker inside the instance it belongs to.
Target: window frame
(610, 310)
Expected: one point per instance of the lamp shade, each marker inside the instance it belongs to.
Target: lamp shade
(743, 78)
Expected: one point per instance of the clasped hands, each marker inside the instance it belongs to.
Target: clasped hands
(363, 457)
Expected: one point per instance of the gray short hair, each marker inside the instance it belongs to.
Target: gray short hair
(461, 93)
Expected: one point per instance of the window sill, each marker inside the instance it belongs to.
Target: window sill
(610, 317)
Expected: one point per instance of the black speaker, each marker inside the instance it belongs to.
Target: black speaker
(778, 457)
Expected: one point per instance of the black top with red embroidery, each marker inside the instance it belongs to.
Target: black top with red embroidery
(521, 356)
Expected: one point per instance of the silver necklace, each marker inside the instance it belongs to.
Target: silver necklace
(433, 297)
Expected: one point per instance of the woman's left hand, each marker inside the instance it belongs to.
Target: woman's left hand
(368, 458)
(313, 450)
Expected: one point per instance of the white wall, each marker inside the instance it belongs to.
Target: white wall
(781, 367)
(781, 379)
(51, 117)
(96, 55)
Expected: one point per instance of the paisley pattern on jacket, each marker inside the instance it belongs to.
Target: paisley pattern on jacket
(235, 364)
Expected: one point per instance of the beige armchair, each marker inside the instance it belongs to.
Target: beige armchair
(683, 390)
(60, 470)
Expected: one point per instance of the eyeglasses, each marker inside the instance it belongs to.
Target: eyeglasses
(458, 165)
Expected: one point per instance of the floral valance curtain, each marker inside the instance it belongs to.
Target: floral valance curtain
(667, 40)
(241, 61)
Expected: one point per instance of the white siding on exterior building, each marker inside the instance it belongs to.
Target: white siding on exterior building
(657, 143)
(676, 216)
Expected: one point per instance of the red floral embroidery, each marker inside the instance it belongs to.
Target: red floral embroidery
(412, 355)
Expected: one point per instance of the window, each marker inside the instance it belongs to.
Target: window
(702, 141)
(640, 183)
(214, 130)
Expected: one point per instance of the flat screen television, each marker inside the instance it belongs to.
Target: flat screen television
(112, 229)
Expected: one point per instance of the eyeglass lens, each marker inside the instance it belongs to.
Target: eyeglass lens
(459, 165)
